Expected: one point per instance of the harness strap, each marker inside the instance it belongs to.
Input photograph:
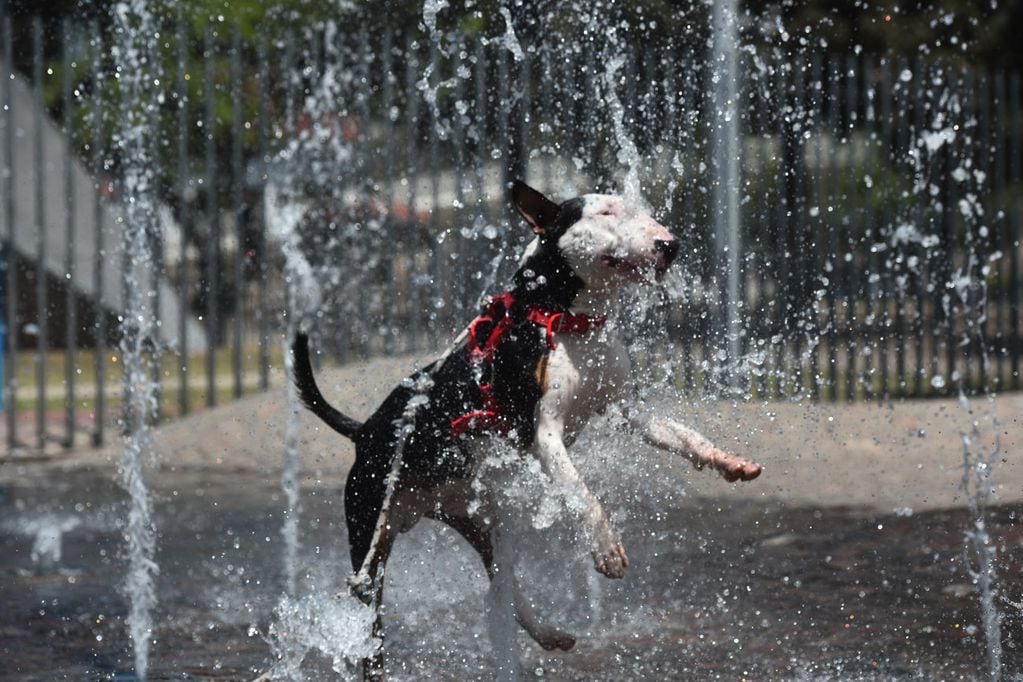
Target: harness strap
(482, 350)
(487, 418)
(563, 323)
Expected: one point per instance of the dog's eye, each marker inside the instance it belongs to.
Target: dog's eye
(607, 211)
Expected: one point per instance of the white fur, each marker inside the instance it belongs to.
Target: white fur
(611, 245)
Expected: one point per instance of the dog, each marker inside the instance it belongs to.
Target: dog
(532, 369)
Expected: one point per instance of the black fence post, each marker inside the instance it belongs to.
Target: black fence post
(211, 285)
(70, 301)
(10, 253)
(184, 217)
(42, 304)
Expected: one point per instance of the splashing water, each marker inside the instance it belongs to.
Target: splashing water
(290, 472)
(339, 629)
(511, 41)
(135, 26)
(47, 533)
(976, 485)
(628, 153)
(431, 8)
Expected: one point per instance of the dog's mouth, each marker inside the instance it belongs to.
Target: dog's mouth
(633, 271)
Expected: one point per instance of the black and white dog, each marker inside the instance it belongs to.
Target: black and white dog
(532, 369)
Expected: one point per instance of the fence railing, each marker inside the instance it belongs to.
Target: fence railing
(880, 209)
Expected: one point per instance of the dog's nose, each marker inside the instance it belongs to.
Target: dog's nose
(668, 248)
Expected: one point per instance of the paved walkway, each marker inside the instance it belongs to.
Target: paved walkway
(903, 456)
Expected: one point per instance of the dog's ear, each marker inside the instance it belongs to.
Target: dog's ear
(538, 210)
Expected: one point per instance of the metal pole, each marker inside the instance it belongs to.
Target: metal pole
(71, 337)
(725, 157)
(389, 78)
(42, 317)
(10, 250)
(263, 315)
(185, 217)
(237, 180)
(213, 227)
(413, 298)
(99, 256)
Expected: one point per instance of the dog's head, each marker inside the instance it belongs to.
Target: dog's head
(604, 241)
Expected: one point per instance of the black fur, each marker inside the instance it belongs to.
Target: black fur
(310, 394)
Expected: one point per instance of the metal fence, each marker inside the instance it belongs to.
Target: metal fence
(880, 209)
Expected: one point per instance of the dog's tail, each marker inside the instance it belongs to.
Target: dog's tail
(310, 394)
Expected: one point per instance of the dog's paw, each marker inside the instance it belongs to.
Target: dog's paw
(735, 468)
(610, 559)
(555, 639)
(360, 586)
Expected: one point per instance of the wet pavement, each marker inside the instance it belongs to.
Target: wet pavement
(743, 590)
(843, 561)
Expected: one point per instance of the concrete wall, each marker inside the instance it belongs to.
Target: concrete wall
(42, 200)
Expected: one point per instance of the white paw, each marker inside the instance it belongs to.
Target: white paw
(609, 556)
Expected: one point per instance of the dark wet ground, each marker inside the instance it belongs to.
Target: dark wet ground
(754, 591)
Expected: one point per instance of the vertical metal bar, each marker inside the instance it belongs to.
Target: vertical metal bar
(42, 316)
(212, 283)
(365, 54)
(591, 124)
(237, 181)
(480, 157)
(999, 150)
(518, 124)
(948, 238)
(412, 297)
(566, 98)
(781, 235)
(834, 187)
(100, 259)
(156, 248)
(525, 127)
(436, 244)
(185, 216)
(902, 145)
(848, 261)
(547, 131)
(993, 334)
(799, 287)
(11, 247)
(868, 236)
(813, 185)
(387, 121)
(652, 110)
(1014, 213)
(760, 226)
(918, 99)
(263, 316)
(883, 343)
(458, 307)
(71, 321)
(974, 329)
(504, 113)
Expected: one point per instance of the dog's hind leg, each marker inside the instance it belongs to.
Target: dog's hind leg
(371, 536)
(481, 538)
(368, 585)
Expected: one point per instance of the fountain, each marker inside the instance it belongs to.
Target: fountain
(136, 31)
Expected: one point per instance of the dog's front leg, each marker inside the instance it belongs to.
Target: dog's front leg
(608, 553)
(682, 440)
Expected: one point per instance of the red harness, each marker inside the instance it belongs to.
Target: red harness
(481, 351)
